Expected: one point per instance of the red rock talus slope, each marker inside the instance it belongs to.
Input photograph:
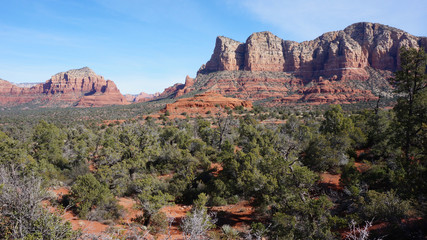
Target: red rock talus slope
(342, 66)
(202, 103)
(77, 87)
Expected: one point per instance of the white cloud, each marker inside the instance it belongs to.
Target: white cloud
(307, 19)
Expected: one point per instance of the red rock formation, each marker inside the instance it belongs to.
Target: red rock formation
(171, 91)
(178, 89)
(202, 103)
(109, 95)
(264, 52)
(343, 53)
(81, 87)
(342, 66)
(228, 55)
(12, 95)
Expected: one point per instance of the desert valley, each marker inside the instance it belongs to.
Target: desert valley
(271, 139)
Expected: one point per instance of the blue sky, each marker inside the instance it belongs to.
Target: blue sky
(149, 45)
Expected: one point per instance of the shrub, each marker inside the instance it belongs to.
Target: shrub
(233, 199)
(321, 156)
(385, 206)
(87, 193)
(229, 233)
(158, 222)
(197, 224)
(21, 214)
(218, 201)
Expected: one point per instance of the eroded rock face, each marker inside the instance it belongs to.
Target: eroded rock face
(11, 94)
(264, 52)
(77, 87)
(228, 55)
(340, 67)
(343, 53)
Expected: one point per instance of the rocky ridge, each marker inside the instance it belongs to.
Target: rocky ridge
(77, 87)
(344, 66)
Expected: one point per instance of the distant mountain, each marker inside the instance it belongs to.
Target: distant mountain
(338, 67)
(25, 85)
(76, 87)
(346, 66)
(142, 97)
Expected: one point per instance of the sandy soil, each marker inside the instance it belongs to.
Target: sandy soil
(331, 180)
(362, 167)
(217, 167)
(86, 226)
(239, 216)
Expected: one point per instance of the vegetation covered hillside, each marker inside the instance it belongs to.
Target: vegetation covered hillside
(274, 159)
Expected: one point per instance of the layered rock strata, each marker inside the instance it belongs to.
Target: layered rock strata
(343, 53)
(77, 87)
(208, 102)
(338, 67)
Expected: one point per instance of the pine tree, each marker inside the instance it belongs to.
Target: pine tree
(411, 110)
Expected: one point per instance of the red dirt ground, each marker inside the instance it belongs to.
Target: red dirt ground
(91, 227)
(362, 167)
(217, 167)
(131, 212)
(331, 180)
(237, 215)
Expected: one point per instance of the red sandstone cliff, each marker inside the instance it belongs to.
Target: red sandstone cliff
(343, 53)
(77, 87)
(342, 66)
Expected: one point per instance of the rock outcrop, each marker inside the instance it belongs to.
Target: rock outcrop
(208, 102)
(264, 52)
(343, 53)
(178, 89)
(228, 55)
(11, 94)
(342, 66)
(77, 87)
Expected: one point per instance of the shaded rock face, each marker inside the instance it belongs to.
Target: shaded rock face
(77, 87)
(109, 94)
(344, 66)
(228, 55)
